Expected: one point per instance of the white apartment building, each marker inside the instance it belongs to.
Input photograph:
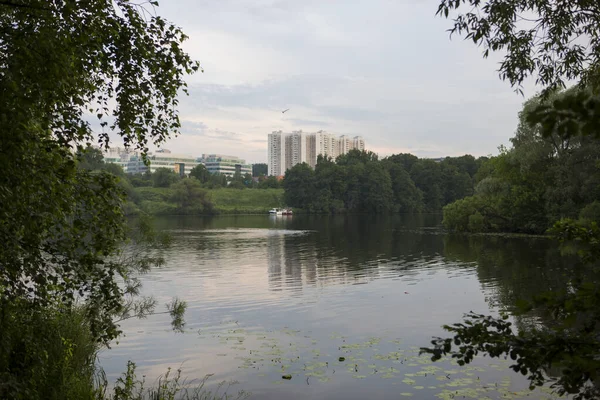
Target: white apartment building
(295, 149)
(288, 149)
(358, 143)
(276, 155)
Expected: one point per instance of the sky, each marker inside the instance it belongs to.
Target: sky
(382, 69)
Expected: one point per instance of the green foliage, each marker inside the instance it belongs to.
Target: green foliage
(164, 177)
(550, 173)
(536, 36)
(200, 173)
(541, 179)
(216, 181)
(458, 215)
(46, 354)
(90, 158)
(538, 39)
(169, 387)
(269, 182)
(567, 342)
(591, 212)
(260, 169)
(299, 185)
(140, 180)
(162, 201)
(407, 198)
(61, 213)
(359, 182)
(190, 197)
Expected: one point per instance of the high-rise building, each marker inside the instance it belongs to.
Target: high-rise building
(276, 155)
(358, 143)
(288, 149)
(295, 149)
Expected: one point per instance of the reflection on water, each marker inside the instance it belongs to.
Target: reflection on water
(272, 294)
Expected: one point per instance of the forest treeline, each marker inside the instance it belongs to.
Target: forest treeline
(360, 182)
(539, 180)
(526, 188)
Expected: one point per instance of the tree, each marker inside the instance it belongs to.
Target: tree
(553, 41)
(407, 198)
(248, 181)
(539, 180)
(189, 195)
(164, 177)
(356, 156)
(426, 174)
(114, 169)
(378, 196)
(330, 184)
(299, 185)
(270, 182)
(62, 226)
(537, 36)
(260, 169)
(216, 181)
(200, 173)
(90, 158)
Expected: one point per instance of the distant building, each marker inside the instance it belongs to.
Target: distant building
(165, 159)
(276, 153)
(132, 162)
(135, 165)
(288, 149)
(117, 155)
(226, 165)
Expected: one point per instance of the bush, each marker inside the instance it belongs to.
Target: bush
(45, 352)
(159, 208)
(457, 215)
(164, 177)
(591, 212)
(152, 194)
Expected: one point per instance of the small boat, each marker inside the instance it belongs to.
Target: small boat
(275, 211)
(287, 211)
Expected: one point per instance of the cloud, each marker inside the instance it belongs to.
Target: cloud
(194, 128)
(385, 70)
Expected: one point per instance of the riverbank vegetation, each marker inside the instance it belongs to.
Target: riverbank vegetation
(67, 269)
(548, 178)
(539, 180)
(201, 193)
(189, 198)
(360, 182)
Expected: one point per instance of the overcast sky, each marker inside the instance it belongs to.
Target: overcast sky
(385, 70)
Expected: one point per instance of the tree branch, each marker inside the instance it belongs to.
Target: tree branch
(9, 3)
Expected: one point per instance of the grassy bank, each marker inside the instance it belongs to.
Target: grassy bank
(48, 353)
(162, 201)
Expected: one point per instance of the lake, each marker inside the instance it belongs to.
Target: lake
(339, 303)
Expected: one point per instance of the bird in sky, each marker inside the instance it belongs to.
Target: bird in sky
(283, 112)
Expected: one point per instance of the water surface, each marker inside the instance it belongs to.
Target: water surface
(272, 296)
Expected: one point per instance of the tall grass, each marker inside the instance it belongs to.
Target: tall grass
(45, 352)
(168, 387)
(48, 353)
